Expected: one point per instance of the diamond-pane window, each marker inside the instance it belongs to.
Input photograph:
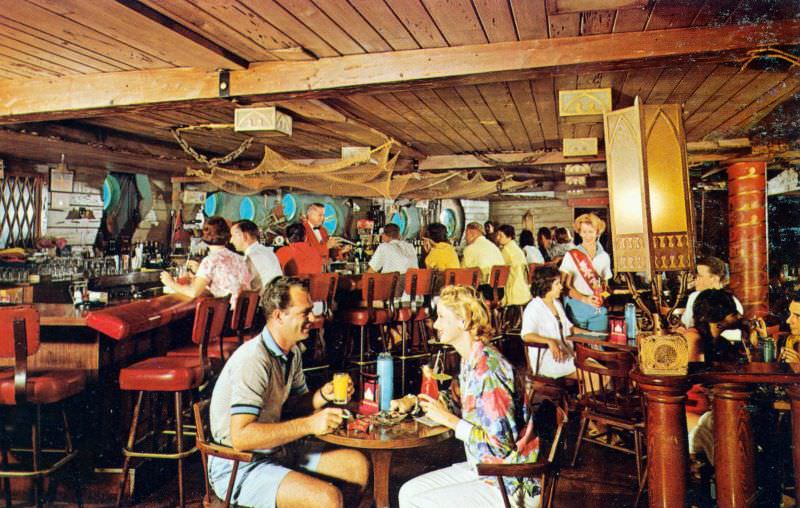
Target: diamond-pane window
(20, 197)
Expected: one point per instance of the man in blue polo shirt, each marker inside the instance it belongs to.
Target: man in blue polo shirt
(261, 381)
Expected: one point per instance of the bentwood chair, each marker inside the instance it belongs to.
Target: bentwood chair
(545, 469)
(176, 375)
(208, 448)
(19, 339)
(560, 389)
(609, 397)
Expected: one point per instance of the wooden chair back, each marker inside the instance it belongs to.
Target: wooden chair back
(498, 278)
(462, 277)
(322, 288)
(419, 282)
(19, 339)
(208, 448)
(604, 382)
(210, 315)
(244, 315)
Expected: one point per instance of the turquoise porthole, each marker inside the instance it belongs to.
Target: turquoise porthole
(111, 192)
(289, 204)
(247, 209)
(401, 219)
(448, 218)
(331, 221)
(212, 204)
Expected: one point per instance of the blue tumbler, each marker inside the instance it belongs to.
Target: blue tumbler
(385, 380)
(630, 320)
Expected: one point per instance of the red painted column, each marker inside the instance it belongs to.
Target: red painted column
(747, 226)
(734, 456)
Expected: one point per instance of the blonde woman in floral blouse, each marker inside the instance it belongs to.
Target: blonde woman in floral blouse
(486, 424)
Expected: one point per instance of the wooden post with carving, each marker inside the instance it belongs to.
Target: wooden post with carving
(734, 456)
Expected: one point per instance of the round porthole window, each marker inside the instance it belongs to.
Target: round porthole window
(448, 218)
(331, 221)
(111, 192)
(289, 204)
(247, 209)
(213, 204)
(401, 219)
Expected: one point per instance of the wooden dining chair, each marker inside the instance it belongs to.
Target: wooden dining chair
(563, 389)
(545, 469)
(498, 278)
(208, 448)
(462, 276)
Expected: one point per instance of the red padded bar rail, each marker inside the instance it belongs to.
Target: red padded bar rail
(122, 321)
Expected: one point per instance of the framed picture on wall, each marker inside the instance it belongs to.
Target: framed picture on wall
(61, 181)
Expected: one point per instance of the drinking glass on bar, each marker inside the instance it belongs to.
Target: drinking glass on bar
(341, 381)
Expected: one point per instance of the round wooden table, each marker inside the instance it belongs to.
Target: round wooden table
(381, 442)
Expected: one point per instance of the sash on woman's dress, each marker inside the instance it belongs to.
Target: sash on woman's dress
(588, 273)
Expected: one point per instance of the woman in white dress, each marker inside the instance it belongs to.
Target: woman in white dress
(544, 321)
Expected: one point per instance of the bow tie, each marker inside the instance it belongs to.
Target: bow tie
(315, 228)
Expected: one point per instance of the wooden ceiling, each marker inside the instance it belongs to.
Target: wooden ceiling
(105, 80)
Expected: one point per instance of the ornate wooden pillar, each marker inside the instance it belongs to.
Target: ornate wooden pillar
(667, 439)
(734, 457)
(747, 226)
(794, 394)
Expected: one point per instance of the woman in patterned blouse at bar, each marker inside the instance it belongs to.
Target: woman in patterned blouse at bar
(487, 423)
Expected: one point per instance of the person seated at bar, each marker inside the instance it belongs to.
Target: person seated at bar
(393, 254)
(486, 424)
(544, 240)
(517, 291)
(260, 381)
(563, 243)
(712, 273)
(222, 272)
(298, 257)
(532, 252)
(441, 255)
(790, 353)
(490, 229)
(480, 252)
(545, 321)
(586, 270)
(262, 261)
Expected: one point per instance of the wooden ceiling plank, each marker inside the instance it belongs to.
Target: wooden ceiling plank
(136, 31)
(708, 89)
(530, 18)
(317, 21)
(673, 14)
(632, 20)
(545, 95)
(689, 83)
(714, 12)
(9, 60)
(403, 24)
(666, 84)
(598, 22)
(385, 71)
(759, 86)
(344, 15)
(374, 112)
(500, 101)
(36, 21)
(457, 20)
(723, 94)
(38, 48)
(455, 102)
(760, 107)
(565, 82)
(468, 161)
(751, 10)
(564, 25)
(417, 119)
(496, 19)
(526, 106)
(452, 119)
(637, 81)
(276, 15)
(43, 65)
(228, 23)
(476, 103)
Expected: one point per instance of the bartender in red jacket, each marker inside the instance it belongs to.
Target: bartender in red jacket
(317, 236)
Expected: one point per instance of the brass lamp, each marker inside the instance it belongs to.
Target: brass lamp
(651, 208)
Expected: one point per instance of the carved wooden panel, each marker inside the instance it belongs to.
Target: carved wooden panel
(671, 252)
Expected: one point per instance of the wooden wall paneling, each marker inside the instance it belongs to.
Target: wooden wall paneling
(564, 25)
(715, 12)
(631, 20)
(455, 102)
(318, 22)
(529, 115)
(499, 100)
(138, 32)
(758, 89)
(27, 38)
(279, 17)
(530, 19)
(673, 14)
(457, 20)
(370, 110)
(689, 83)
(734, 85)
(550, 212)
(546, 97)
(234, 26)
(46, 58)
(598, 22)
(666, 84)
(345, 16)
(496, 19)
(419, 120)
(433, 102)
(36, 19)
(403, 24)
(476, 102)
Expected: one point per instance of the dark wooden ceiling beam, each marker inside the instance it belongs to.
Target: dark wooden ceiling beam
(97, 94)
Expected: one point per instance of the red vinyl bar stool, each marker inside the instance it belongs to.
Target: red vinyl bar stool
(19, 339)
(377, 291)
(462, 277)
(418, 285)
(176, 375)
(321, 288)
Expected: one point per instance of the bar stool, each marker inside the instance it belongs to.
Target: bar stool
(462, 276)
(322, 288)
(176, 375)
(418, 284)
(377, 292)
(498, 278)
(19, 339)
